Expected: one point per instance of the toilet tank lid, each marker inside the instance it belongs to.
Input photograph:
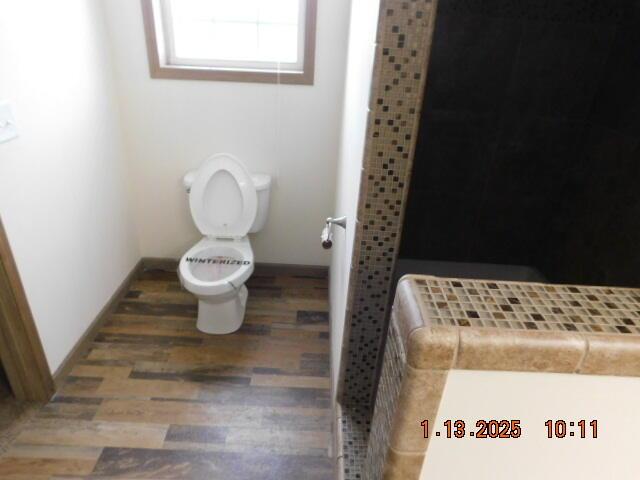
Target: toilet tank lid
(261, 181)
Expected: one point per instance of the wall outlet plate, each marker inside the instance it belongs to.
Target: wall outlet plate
(8, 127)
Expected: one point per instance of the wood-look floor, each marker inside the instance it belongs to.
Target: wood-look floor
(14, 414)
(156, 399)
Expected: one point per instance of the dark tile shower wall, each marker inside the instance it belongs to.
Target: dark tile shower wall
(602, 200)
(515, 91)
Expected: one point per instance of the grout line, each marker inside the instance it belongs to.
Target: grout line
(587, 347)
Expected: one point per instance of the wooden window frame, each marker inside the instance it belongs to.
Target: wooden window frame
(159, 69)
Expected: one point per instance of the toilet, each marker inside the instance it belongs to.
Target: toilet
(227, 203)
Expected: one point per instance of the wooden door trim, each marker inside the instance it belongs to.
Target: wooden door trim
(21, 350)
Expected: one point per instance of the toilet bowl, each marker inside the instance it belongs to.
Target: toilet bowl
(226, 203)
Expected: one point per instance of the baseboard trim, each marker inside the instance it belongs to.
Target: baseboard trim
(171, 264)
(84, 342)
(319, 271)
(159, 263)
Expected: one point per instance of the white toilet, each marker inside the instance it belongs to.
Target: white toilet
(227, 203)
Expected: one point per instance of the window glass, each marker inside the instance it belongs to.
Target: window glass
(251, 31)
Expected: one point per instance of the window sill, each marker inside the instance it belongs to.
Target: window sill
(230, 75)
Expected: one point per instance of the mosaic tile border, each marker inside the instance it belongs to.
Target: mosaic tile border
(355, 426)
(391, 376)
(405, 32)
(529, 306)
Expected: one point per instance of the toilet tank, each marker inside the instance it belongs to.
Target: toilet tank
(262, 182)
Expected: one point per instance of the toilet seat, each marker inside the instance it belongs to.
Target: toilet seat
(223, 198)
(216, 267)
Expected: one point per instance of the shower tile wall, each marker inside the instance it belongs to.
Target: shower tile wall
(514, 91)
(405, 30)
(403, 43)
(602, 200)
(513, 86)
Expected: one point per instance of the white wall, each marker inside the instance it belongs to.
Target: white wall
(63, 196)
(362, 37)
(533, 398)
(289, 131)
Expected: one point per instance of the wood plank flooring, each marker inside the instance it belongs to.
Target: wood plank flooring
(154, 398)
(14, 414)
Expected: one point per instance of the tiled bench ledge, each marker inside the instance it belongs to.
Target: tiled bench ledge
(441, 324)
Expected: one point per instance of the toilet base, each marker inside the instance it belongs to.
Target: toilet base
(219, 316)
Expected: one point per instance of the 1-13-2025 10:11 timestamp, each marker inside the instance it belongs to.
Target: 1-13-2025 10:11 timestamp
(511, 429)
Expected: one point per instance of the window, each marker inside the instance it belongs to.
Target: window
(269, 41)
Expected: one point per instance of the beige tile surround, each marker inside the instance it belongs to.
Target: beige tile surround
(403, 45)
(437, 335)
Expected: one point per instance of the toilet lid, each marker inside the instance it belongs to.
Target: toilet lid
(223, 199)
